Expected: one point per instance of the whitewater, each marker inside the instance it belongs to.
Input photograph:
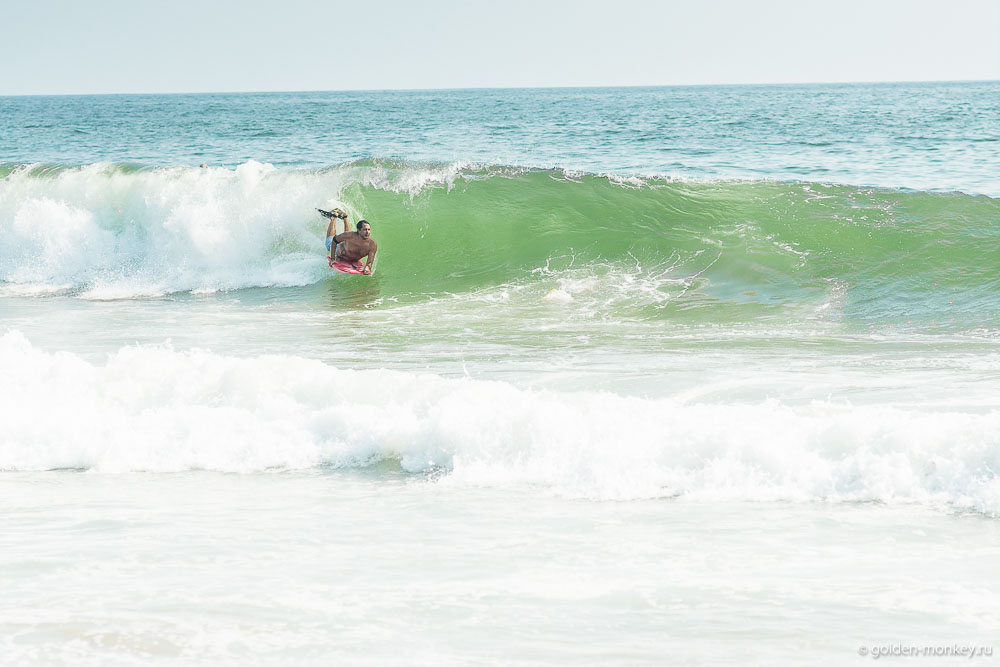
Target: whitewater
(694, 375)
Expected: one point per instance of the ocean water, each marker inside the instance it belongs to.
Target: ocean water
(644, 376)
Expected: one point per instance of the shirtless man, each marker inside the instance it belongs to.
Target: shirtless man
(352, 246)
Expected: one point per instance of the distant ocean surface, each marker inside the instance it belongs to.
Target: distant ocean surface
(645, 376)
(934, 137)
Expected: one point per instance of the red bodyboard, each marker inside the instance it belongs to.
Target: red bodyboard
(346, 267)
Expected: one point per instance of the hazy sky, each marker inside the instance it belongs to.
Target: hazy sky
(136, 46)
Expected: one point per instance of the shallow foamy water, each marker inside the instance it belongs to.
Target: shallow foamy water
(379, 566)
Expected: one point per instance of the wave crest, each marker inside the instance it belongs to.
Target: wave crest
(114, 231)
(157, 409)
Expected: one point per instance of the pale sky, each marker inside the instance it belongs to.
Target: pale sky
(163, 46)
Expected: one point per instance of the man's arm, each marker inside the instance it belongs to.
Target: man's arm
(371, 257)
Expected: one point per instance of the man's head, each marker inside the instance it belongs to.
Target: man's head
(364, 229)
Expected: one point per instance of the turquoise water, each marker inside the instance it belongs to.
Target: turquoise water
(926, 136)
(636, 366)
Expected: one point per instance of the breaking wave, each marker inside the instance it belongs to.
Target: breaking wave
(156, 409)
(696, 249)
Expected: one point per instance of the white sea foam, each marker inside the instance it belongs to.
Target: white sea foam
(157, 409)
(413, 180)
(111, 233)
(117, 234)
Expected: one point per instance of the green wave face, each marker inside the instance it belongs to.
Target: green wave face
(604, 249)
(709, 252)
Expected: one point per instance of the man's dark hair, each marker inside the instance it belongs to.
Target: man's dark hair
(363, 222)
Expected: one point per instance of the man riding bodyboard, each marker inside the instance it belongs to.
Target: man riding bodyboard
(349, 247)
